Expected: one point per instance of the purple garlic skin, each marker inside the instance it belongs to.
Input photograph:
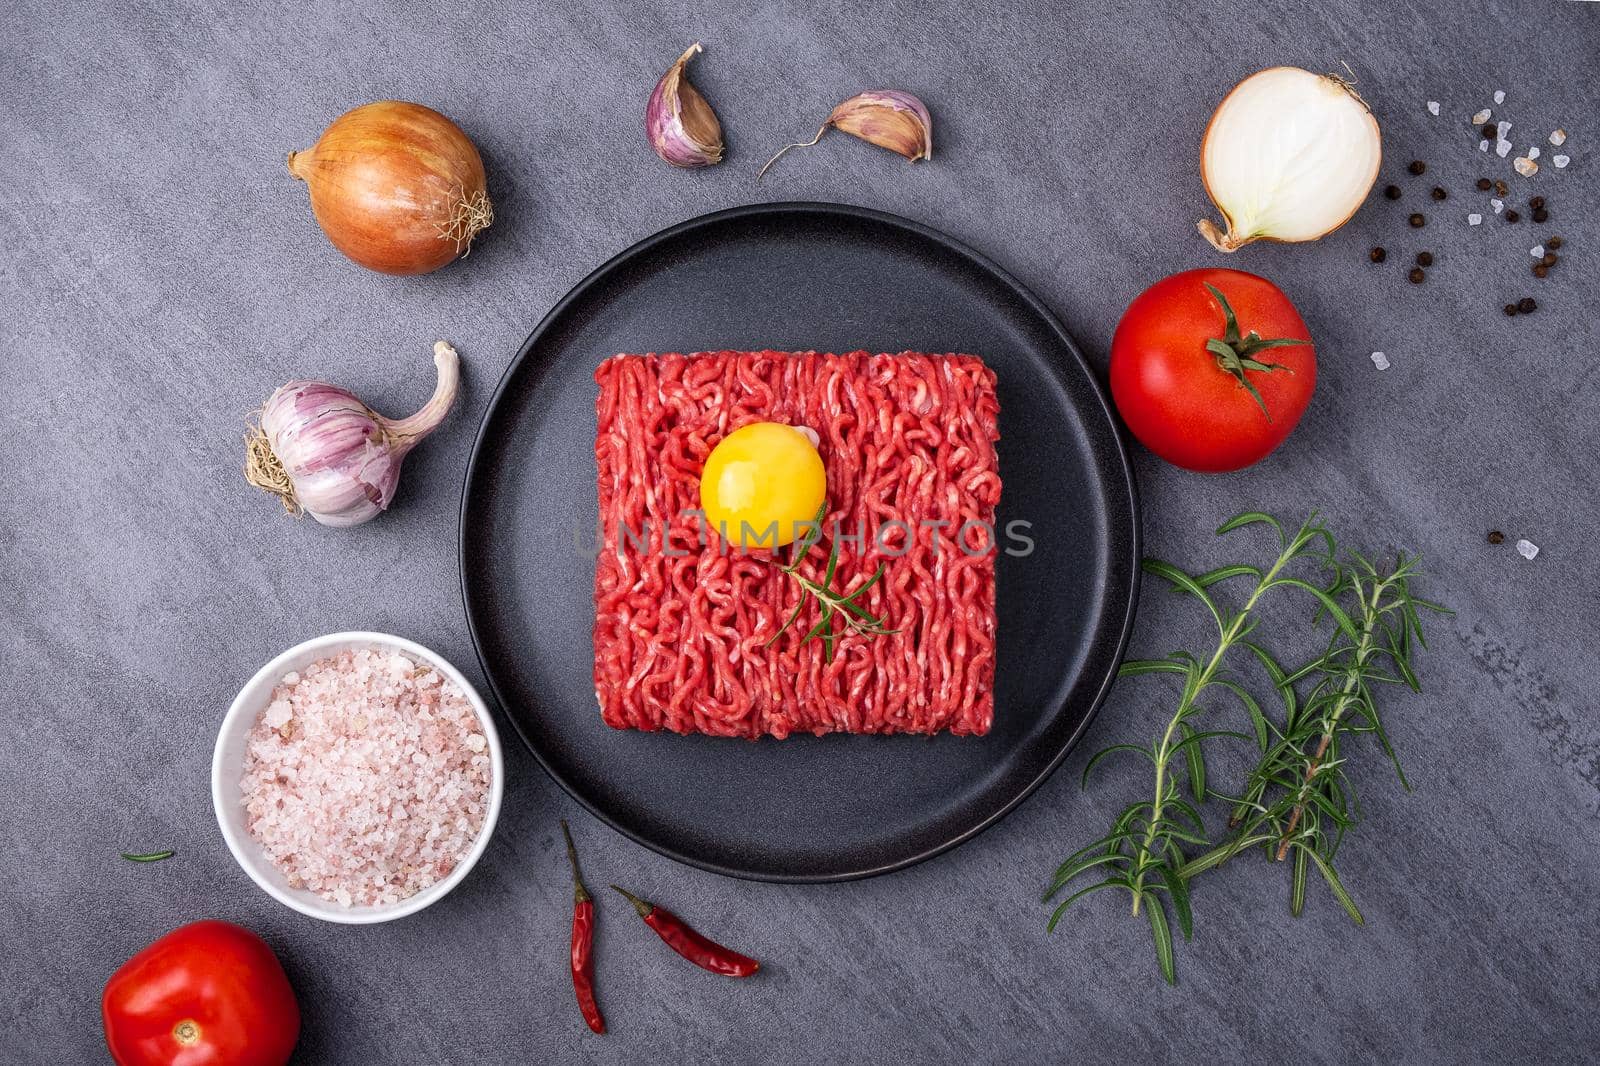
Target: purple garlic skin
(342, 459)
(889, 119)
(681, 126)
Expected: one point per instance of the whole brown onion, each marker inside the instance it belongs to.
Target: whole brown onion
(397, 187)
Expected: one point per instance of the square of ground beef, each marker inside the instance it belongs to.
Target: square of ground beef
(682, 620)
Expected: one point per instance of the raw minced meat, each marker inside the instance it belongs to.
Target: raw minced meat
(680, 637)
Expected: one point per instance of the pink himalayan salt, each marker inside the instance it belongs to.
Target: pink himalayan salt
(366, 777)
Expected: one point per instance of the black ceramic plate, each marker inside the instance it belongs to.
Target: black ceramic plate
(800, 276)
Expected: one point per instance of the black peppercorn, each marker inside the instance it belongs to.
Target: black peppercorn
(1526, 305)
(1549, 259)
(1553, 242)
(1536, 203)
(1500, 187)
(1425, 259)
(1438, 193)
(1511, 309)
(1392, 191)
(1512, 216)
(1377, 255)
(1417, 166)
(1496, 537)
(1541, 215)
(1540, 270)
(1485, 184)
(1491, 131)
(1416, 276)
(1417, 221)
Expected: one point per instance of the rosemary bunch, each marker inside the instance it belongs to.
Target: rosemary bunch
(1143, 852)
(1298, 801)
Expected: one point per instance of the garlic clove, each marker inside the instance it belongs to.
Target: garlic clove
(682, 127)
(1288, 156)
(323, 452)
(887, 118)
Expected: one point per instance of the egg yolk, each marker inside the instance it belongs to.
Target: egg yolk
(759, 482)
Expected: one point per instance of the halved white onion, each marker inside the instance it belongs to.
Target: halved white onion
(1289, 156)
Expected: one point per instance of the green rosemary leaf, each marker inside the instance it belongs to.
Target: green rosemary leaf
(1187, 584)
(1336, 886)
(1335, 612)
(1171, 830)
(1180, 900)
(811, 536)
(864, 586)
(1135, 667)
(1069, 873)
(148, 856)
(1297, 883)
(1403, 668)
(1197, 763)
(833, 563)
(1094, 760)
(1110, 882)
(1223, 573)
(1258, 720)
(798, 607)
(1250, 518)
(1163, 939)
(1196, 737)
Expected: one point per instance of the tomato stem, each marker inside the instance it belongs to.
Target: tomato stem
(1236, 354)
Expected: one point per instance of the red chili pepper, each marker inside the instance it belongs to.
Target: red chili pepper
(702, 951)
(582, 941)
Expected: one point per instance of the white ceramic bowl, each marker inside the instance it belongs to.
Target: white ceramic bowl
(227, 767)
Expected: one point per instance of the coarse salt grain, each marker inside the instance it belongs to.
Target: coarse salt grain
(1537, 251)
(1527, 549)
(1474, 219)
(1483, 146)
(1533, 153)
(1502, 127)
(1481, 117)
(1558, 137)
(380, 788)
(1433, 107)
(1525, 166)
(1380, 360)
(1499, 96)
(1502, 148)
(1498, 205)
(1560, 161)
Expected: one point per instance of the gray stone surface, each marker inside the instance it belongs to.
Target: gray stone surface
(160, 273)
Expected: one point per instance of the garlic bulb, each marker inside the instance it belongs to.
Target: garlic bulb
(887, 118)
(322, 451)
(1288, 156)
(680, 124)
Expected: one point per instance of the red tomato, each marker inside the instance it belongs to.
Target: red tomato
(1188, 403)
(206, 994)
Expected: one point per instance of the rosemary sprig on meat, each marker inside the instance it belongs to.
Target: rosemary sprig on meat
(832, 604)
(1297, 801)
